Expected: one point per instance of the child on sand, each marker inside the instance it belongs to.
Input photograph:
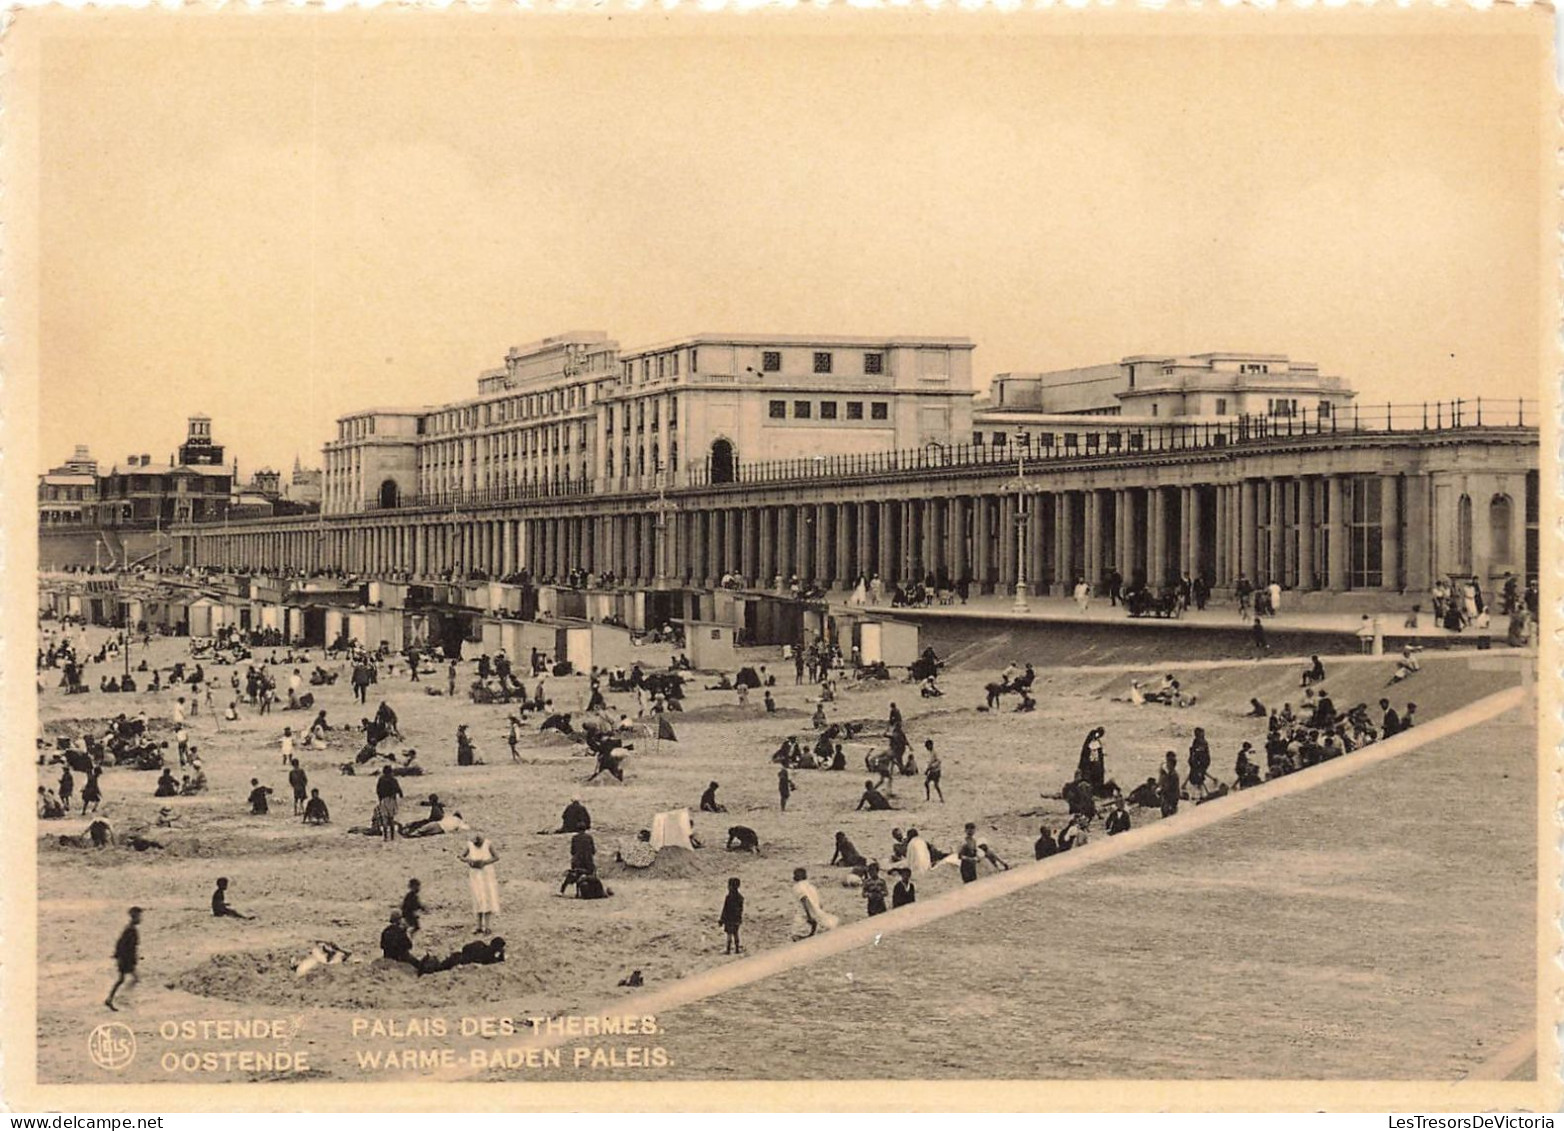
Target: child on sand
(732, 917)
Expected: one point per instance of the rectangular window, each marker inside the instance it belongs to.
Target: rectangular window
(827, 410)
(1221, 406)
(1325, 410)
(879, 410)
(801, 410)
(998, 439)
(771, 361)
(1093, 441)
(874, 363)
(1115, 441)
(1364, 515)
(822, 362)
(1046, 439)
(694, 357)
(673, 363)
(854, 410)
(778, 410)
(977, 439)
(1072, 439)
(1154, 407)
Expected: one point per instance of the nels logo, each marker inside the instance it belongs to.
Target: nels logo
(112, 1046)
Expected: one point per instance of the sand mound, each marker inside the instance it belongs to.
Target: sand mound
(267, 977)
(672, 863)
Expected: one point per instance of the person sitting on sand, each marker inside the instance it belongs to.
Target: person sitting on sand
(166, 785)
(448, 823)
(436, 813)
(315, 811)
(395, 943)
(846, 854)
(1256, 710)
(49, 807)
(709, 800)
(872, 799)
(1246, 771)
(1118, 820)
(637, 853)
(811, 918)
(575, 818)
(221, 908)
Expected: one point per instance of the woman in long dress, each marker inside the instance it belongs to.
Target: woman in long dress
(860, 595)
(480, 857)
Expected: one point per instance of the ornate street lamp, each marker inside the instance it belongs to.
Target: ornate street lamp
(1021, 488)
(661, 508)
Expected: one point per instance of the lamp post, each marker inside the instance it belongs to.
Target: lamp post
(1021, 488)
(661, 509)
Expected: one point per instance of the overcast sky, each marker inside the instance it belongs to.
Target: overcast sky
(278, 228)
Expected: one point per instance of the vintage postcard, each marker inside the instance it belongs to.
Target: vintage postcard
(896, 559)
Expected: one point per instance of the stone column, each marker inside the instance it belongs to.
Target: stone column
(1195, 509)
(1094, 539)
(862, 520)
(841, 545)
(956, 538)
(1248, 526)
(884, 560)
(1336, 533)
(1157, 555)
(1276, 559)
(1417, 551)
(1006, 542)
(981, 551)
(1307, 488)
(1390, 532)
(766, 563)
(747, 522)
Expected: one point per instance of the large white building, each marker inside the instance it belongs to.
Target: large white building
(571, 414)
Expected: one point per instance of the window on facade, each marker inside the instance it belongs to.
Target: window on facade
(854, 410)
(673, 412)
(879, 410)
(827, 410)
(656, 415)
(822, 362)
(1072, 439)
(673, 364)
(694, 358)
(1324, 410)
(1154, 407)
(661, 367)
(801, 410)
(997, 439)
(874, 363)
(771, 361)
(1221, 406)
(1093, 441)
(1365, 510)
(1254, 367)
(977, 439)
(1115, 441)
(778, 410)
(1500, 545)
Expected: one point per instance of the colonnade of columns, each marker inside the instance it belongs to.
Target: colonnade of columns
(1302, 531)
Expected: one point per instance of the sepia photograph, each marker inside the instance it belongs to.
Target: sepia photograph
(902, 560)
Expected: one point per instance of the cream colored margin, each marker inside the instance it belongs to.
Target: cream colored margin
(20, 376)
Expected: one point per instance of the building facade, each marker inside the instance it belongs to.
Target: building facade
(68, 494)
(195, 487)
(1373, 504)
(570, 414)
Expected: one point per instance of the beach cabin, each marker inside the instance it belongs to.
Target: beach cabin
(888, 642)
(711, 647)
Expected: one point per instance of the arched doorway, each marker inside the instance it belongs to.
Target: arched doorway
(1463, 534)
(1500, 512)
(388, 495)
(723, 466)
